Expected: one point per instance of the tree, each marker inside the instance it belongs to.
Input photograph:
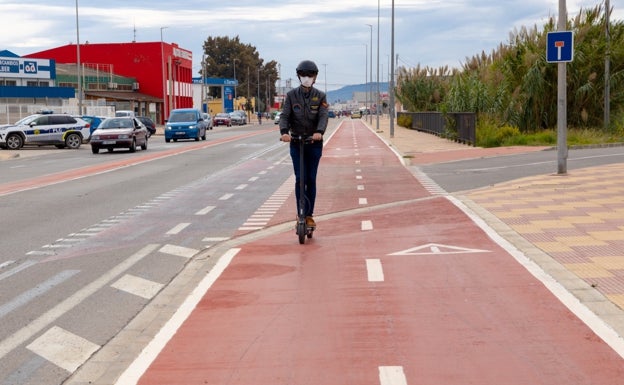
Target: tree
(223, 56)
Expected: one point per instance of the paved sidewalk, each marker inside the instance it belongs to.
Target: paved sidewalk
(571, 225)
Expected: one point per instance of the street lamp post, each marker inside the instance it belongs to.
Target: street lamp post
(162, 69)
(370, 85)
(366, 73)
(377, 97)
(78, 64)
(235, 81)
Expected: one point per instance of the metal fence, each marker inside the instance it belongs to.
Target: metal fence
(11, 113)
(457, 126)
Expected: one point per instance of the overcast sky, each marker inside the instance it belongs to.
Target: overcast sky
(333, 33)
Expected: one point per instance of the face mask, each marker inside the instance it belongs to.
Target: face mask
(306, 81)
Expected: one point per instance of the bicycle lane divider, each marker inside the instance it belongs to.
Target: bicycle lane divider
(78, 173)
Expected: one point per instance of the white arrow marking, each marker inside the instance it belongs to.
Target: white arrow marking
(434, 248)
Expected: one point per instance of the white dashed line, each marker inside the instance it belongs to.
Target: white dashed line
(241, 187)
(205, 210)
(138, 286)
(226, 197)
(374, 270)
(392, 375)
(64, 349)
(180, 251)
(363, 201)
(367, 225)
(178, 228)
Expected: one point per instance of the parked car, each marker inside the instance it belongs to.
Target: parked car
(357, 114)
(185, 123)
(119, 132)
(149, 124)
(238, 117)
(60, 130)
(208, 120)
(276, 120)
(222, 119)
(121, 113)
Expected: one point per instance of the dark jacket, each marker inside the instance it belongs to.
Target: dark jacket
(304, 112)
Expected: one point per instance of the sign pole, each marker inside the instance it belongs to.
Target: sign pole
(562, 134)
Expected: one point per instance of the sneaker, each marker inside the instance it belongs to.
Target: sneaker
(310, 222)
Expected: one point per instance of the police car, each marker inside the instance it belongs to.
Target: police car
(59, 130)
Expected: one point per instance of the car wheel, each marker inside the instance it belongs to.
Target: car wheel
(144, 145)
(14, 142)
(175, 140)
(167, 140)
(204, 136)
(133, 146)
(110, 149)
(94, 149)
(73, 141)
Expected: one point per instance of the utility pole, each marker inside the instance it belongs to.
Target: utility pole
(607, 90)
(391, 78)
(562, 111)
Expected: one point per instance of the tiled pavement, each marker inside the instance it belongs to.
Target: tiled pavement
(572, 225)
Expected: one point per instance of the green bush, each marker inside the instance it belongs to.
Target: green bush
(404, 120)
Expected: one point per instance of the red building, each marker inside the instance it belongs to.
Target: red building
(162, 71)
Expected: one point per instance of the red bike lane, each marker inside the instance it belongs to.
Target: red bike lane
(396, 287)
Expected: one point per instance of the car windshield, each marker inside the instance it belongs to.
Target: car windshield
(223, 116)
(183, 117)
(117, 123)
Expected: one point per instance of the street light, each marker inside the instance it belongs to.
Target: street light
(370, 85)
(78, 63)
(377, 97)
(235, 81)
(162, 68)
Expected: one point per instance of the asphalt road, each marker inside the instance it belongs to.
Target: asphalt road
(88, 240)
(476, 173)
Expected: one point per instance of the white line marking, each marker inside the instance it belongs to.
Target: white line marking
(358, 177)
(360, 187)
(392, 375)
(226, 197)
(36, 291)
(205, 210)
(241, 187)
(5, 264)
(17, 269)
(34, 327)
(138, 286)
(253, 179)
(132, 374)
(375, 270)
(178, 250)
(178, 228)
(215, 239)
(363, 201)
(367, 225)
(64, 349)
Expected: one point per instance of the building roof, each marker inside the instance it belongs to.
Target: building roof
(123, 95)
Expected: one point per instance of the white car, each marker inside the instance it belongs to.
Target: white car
(60, 130)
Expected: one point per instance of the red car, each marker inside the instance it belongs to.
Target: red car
(222, 119)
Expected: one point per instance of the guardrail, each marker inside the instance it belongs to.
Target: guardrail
(457, 126)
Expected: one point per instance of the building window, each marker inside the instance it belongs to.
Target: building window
(44, 84)
(31, 83)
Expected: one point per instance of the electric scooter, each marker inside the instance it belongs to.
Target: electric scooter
(302, 229)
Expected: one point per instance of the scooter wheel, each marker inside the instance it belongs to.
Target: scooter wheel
(301, 232)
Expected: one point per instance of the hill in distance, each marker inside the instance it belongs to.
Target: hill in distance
(346, 93)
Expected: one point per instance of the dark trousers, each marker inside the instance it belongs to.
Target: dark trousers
(312, 153)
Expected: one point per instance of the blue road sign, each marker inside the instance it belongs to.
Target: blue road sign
(559, 47)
